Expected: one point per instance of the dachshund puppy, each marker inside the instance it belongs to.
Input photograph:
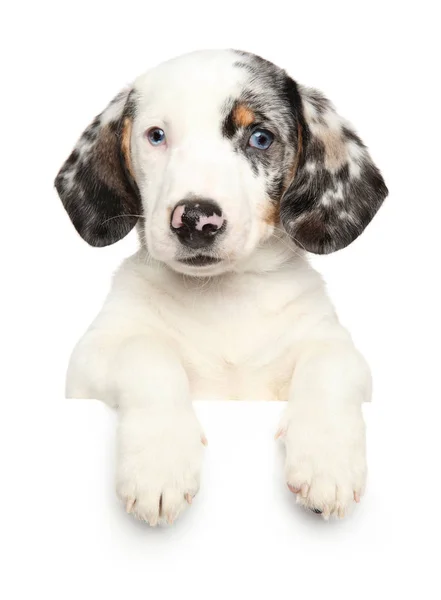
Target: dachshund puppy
(231, 172)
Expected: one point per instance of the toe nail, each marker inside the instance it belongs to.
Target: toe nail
(356, 497)
(304, 490)
(204, 440)
(293, 489)
(189, 498)
(280, 433)
(130, 504)
(341, 513)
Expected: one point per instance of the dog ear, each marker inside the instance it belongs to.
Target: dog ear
(96, 183)
(336, 189)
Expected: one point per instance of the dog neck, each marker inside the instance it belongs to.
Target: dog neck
(277, 254)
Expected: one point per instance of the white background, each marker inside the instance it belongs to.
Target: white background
(62, 531)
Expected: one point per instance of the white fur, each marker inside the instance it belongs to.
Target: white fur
(196, 159)
(258, 325)
(265, 331)
(159, 461)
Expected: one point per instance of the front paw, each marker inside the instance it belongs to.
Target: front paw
(159, 462)
(325, 458)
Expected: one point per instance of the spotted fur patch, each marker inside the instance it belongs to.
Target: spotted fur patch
(320, 181)
(337, 188)
(319, 170)
(243, 116)
(96, 183)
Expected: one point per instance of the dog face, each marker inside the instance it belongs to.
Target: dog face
(217, 151)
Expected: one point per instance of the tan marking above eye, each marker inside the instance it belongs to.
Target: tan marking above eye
(243, 116)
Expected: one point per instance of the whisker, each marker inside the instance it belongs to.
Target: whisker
(299, 243)
(282, 238)
(122, 217)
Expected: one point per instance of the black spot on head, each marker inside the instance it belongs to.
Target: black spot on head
(229, 126)
(275, 102)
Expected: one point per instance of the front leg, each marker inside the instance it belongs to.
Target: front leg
(322, 426)
(159, 441)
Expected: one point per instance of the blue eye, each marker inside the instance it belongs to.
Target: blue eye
(261, 139)
(156, 136)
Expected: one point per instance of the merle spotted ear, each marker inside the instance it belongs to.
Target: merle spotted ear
(96, 183)
(336, 189)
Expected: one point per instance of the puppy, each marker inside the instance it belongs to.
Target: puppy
(231, 172)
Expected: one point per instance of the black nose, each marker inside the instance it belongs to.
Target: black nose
(197, 222)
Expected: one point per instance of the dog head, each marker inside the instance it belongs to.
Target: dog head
(215, 152)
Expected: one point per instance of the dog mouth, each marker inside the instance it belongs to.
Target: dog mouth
(201, 260)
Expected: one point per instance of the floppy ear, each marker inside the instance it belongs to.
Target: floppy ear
(336, 188)
(96, 183)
